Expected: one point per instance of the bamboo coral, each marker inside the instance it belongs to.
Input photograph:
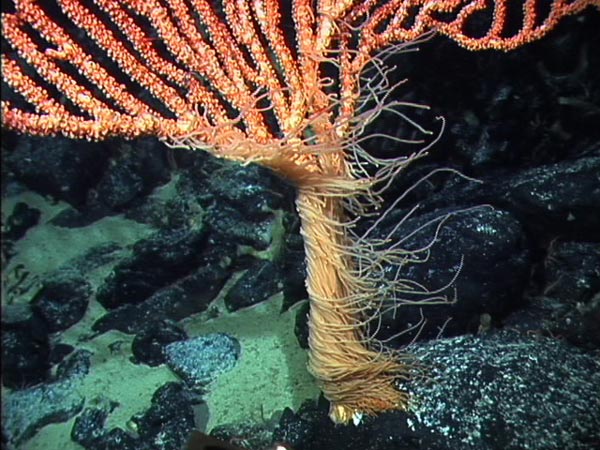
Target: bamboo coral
(254, 81)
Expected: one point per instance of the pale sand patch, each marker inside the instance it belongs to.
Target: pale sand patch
(47, 247)
(270, 374)
(112, 378)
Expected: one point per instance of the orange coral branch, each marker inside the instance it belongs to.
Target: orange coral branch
(215, 71)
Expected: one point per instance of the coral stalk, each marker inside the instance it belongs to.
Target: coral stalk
(353, 376)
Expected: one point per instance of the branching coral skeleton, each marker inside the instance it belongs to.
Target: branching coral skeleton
(346, 280)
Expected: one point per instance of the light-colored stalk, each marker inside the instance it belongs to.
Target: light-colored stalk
(354, 375)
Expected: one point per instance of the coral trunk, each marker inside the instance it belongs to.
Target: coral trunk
(355, 373)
